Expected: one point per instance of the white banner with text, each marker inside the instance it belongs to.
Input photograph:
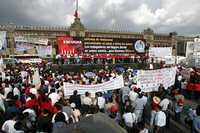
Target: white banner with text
(150, 80)
(113, 84)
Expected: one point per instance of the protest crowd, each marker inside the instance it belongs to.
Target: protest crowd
(32, 100)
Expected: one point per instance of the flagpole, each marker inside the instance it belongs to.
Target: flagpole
(76, 5)
(76, 10)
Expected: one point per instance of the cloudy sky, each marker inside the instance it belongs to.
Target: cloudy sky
(182, 16)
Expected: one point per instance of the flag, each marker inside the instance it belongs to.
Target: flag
(76, 14)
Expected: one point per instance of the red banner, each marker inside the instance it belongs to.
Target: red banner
(192, 86)
(68, 46)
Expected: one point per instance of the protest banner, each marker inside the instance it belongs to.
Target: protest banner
(150, 80)
(113, 84)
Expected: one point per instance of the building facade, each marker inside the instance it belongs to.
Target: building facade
(102, 37)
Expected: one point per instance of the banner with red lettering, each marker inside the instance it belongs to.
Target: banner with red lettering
(68, 46)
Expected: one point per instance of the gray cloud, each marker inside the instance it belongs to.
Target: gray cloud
(127, 15)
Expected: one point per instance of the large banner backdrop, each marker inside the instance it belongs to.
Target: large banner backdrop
(68, 45)
(113, 84)
(150, 80)
(42, 50)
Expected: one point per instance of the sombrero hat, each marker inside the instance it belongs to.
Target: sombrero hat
(156, 100)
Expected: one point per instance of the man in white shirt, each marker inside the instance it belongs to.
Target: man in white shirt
(160, 121)
(16, 92)
(125, 92)
(101, 102)
(129, 119)
(8, 126)
(164, 104)
(31, 114)
(54, 96)
(87, 99)
(33, 90)
(139, 106)
(133, 96)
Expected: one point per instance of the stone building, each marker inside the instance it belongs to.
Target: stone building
(78, 30)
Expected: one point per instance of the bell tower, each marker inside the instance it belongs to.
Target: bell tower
(77, 29)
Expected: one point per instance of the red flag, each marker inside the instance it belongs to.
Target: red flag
(76, 14)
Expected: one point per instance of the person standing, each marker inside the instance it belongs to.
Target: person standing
(133, 94)
(165, 107)
(129, 119)
(160, 121)
(101, 102)
(154, 106)
(139, 106)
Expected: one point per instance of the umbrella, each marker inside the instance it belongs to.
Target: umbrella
(90, 74)
(97, 123)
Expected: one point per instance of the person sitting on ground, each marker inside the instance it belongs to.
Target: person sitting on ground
(87, 99)
(75, 98)
(75, 113)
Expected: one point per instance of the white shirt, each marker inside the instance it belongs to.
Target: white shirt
(8, 126)
(160, 119)
(32, 114)
(101, 102)
(129, 118)
(151, 66)
(87, 101)
(164, 104)
(33, 91)
(6, 91)
(54, 97)
(140, 103)
(16, 92)
(133, 96)
(2, 106)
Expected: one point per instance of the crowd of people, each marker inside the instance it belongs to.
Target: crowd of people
(32, 100)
